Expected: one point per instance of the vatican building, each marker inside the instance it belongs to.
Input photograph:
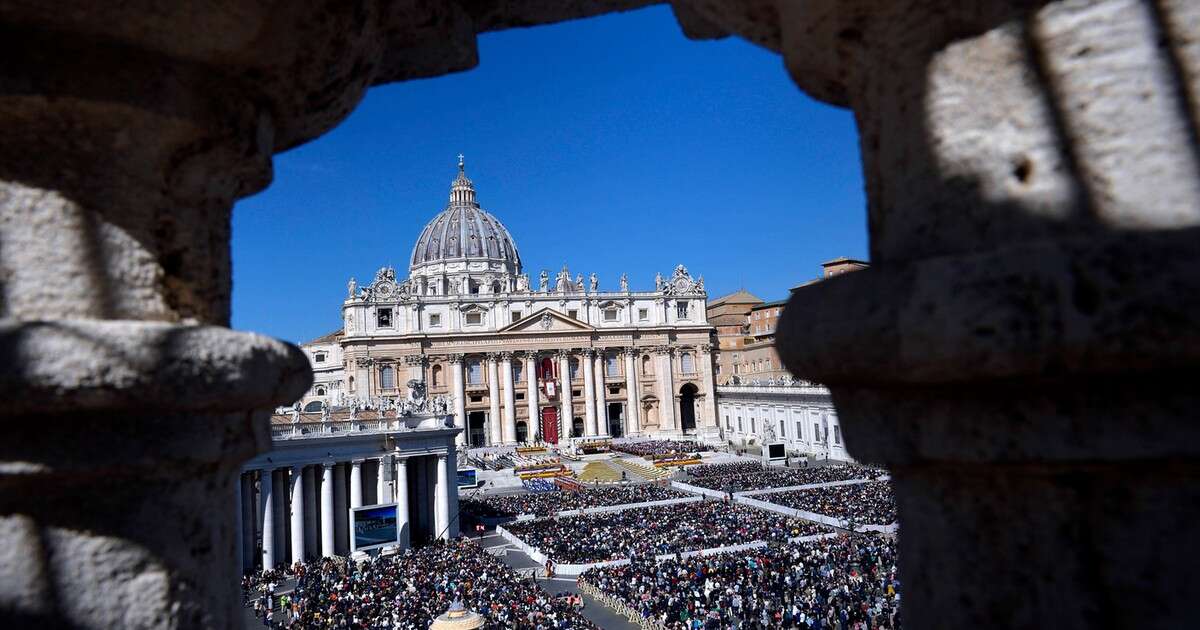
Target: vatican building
(519, 358)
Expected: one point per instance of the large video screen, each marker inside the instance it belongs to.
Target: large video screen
(375, 526)
(467, 478)
(775, 451)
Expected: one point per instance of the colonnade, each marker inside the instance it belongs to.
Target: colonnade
(301, 511)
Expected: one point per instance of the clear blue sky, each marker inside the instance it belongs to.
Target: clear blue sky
(612, 144)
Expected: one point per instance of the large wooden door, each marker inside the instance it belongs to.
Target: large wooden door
(550, 425)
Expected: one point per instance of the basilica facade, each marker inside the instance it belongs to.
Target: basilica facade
(521, 359)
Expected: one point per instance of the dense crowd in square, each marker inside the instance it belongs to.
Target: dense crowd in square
(406, 592)
(842, 583)
(746, 475)
(871, 503)
(657, 530)
(643, 448)
(547, 503)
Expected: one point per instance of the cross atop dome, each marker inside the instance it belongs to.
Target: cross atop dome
(462, 191)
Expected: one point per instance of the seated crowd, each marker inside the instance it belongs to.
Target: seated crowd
(832, 583)
(547, 503)
(643, 448)
(744, 476)
(871, 503)
(408, 591)
(657, 530)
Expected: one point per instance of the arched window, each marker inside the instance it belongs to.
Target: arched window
(647, 365)
(387, 377)
(320, 391)
(687, 364)
(495, 286)
(437, 376)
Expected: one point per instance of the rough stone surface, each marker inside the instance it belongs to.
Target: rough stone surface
(130, 129)
(1021, 353)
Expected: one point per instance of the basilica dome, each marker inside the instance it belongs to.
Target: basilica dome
(464, 232)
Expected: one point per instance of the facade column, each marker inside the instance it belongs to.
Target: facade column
(589, 392)
(564, 379)
(509, 434)
(460, 397)
(533, 422)
(495, 435)
(416, 366)
(356, 483)
(601, 395)
(704, 356)
(267, 518)
(633, 411)
(402, 524)
(666, 380)
(327, 522)
(442, 498)
(296, 480)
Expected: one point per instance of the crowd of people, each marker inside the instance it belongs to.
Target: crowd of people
(871, 503)
(839, 583)
(657, 530)
(547, 503)
(744, 476)
(642, 448)
(407, 592)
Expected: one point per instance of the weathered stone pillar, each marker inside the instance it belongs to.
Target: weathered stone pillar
(129, 406)
(1023, 352)
(129, 129)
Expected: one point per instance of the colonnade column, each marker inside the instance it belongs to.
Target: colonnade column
(494, 431)
(402, 500)
(451, 480)
(509, 435)
(589, 393)
(633, 420)
(327, 548)
(533, 423)
(460, 400)
(666, 368)
(380, 488)
(356, 483)
(564, 380)
(246, 511)
(267, 518)
(601, 398)
(297, 513)
(240, 525)
(441, 498)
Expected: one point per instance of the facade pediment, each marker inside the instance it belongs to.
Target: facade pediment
(544, 321)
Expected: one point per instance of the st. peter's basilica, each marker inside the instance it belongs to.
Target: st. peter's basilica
(520, 358)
